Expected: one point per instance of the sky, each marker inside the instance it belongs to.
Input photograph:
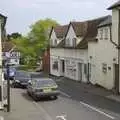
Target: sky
(23, 13)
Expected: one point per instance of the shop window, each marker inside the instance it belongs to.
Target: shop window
(55, 65)
(106, 33)
(101, 34)
(85, 68)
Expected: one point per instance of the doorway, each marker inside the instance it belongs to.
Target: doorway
(80, 71)
(62, 66)
(116, 73)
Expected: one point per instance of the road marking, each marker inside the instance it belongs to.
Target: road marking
(48, 117)
(1, 118)
(62, 117)
(65, 94)
(97, 110)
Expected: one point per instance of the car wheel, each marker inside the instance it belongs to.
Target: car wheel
(54, 97)
(35, 98)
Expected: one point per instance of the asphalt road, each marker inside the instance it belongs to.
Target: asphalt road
(25, 108)
(72, 104)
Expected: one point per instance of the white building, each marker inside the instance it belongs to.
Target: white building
(103, 57)
(116, 32)
(84, 52)
(2, 35)
(8, 48)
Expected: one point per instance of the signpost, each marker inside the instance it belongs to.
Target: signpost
(8, 83)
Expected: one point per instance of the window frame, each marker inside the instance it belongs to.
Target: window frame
(101, 34)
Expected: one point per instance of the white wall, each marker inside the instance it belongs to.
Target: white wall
(73, 55)
(53, 38)
(102, 51)
(71, 34)
(115, 32)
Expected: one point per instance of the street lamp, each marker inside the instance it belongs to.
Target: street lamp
(8, 82)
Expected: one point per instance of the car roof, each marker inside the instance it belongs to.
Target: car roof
(43, 79)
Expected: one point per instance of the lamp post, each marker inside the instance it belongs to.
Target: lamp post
(8, 83)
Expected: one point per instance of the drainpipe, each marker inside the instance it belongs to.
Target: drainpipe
(118, 47)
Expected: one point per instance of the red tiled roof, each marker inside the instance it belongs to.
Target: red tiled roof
(7, 46)
(61, 31)
(80, 28)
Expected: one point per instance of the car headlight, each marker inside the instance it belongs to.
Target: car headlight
(17, 81)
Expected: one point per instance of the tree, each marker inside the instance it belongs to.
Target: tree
(39, 34)
(14, 36)
(33, 45)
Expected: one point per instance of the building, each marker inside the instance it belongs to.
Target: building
(77, 52)
(69, 49)
(8, 48)
(116, 32)
(2, 37)
(103, 57)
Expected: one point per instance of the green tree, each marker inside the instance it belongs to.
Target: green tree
(33, 45)
(39, 34)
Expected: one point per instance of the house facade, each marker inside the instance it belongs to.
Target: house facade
(116, 31)
(78, 53)
(2, 37)
(8, 48)
(103, 56)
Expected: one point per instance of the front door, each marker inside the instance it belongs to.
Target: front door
(80, 71)
(62, 67)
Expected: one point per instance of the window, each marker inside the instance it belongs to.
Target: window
(85, 68)
(74, 42)
(55, 65)
(106, 33)
(16, 60)
(101, 34)
(55, 42)
(67, 42)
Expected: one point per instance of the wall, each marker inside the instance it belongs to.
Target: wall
(115, 32)
(102, 51)
(71, 55)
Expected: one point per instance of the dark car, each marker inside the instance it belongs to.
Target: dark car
(43, 87)
(21, 79)
(12, 72)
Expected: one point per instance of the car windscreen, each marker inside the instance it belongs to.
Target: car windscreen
(44, 83)
(22, 75)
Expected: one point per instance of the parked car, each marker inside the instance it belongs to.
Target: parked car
(21, 79)
(44, 87)
(12, 72)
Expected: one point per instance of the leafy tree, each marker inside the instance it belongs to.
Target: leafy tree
(33, 46)
(14, 36)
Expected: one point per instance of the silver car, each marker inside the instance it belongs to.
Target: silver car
(44, 87)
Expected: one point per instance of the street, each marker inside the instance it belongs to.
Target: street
(68, 106)
(25, 108)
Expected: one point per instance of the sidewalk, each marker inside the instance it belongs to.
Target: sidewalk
(89, 88)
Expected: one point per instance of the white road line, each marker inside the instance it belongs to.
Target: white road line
(97, 110)
(48, 117)
(65, 94)
(1, 118)
(62, 117)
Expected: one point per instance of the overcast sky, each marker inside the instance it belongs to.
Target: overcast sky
(22, 13)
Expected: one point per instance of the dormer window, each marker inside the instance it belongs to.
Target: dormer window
(55, 42)
(101, 34)
(74, 42)
(106, 33)
(67, 43)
